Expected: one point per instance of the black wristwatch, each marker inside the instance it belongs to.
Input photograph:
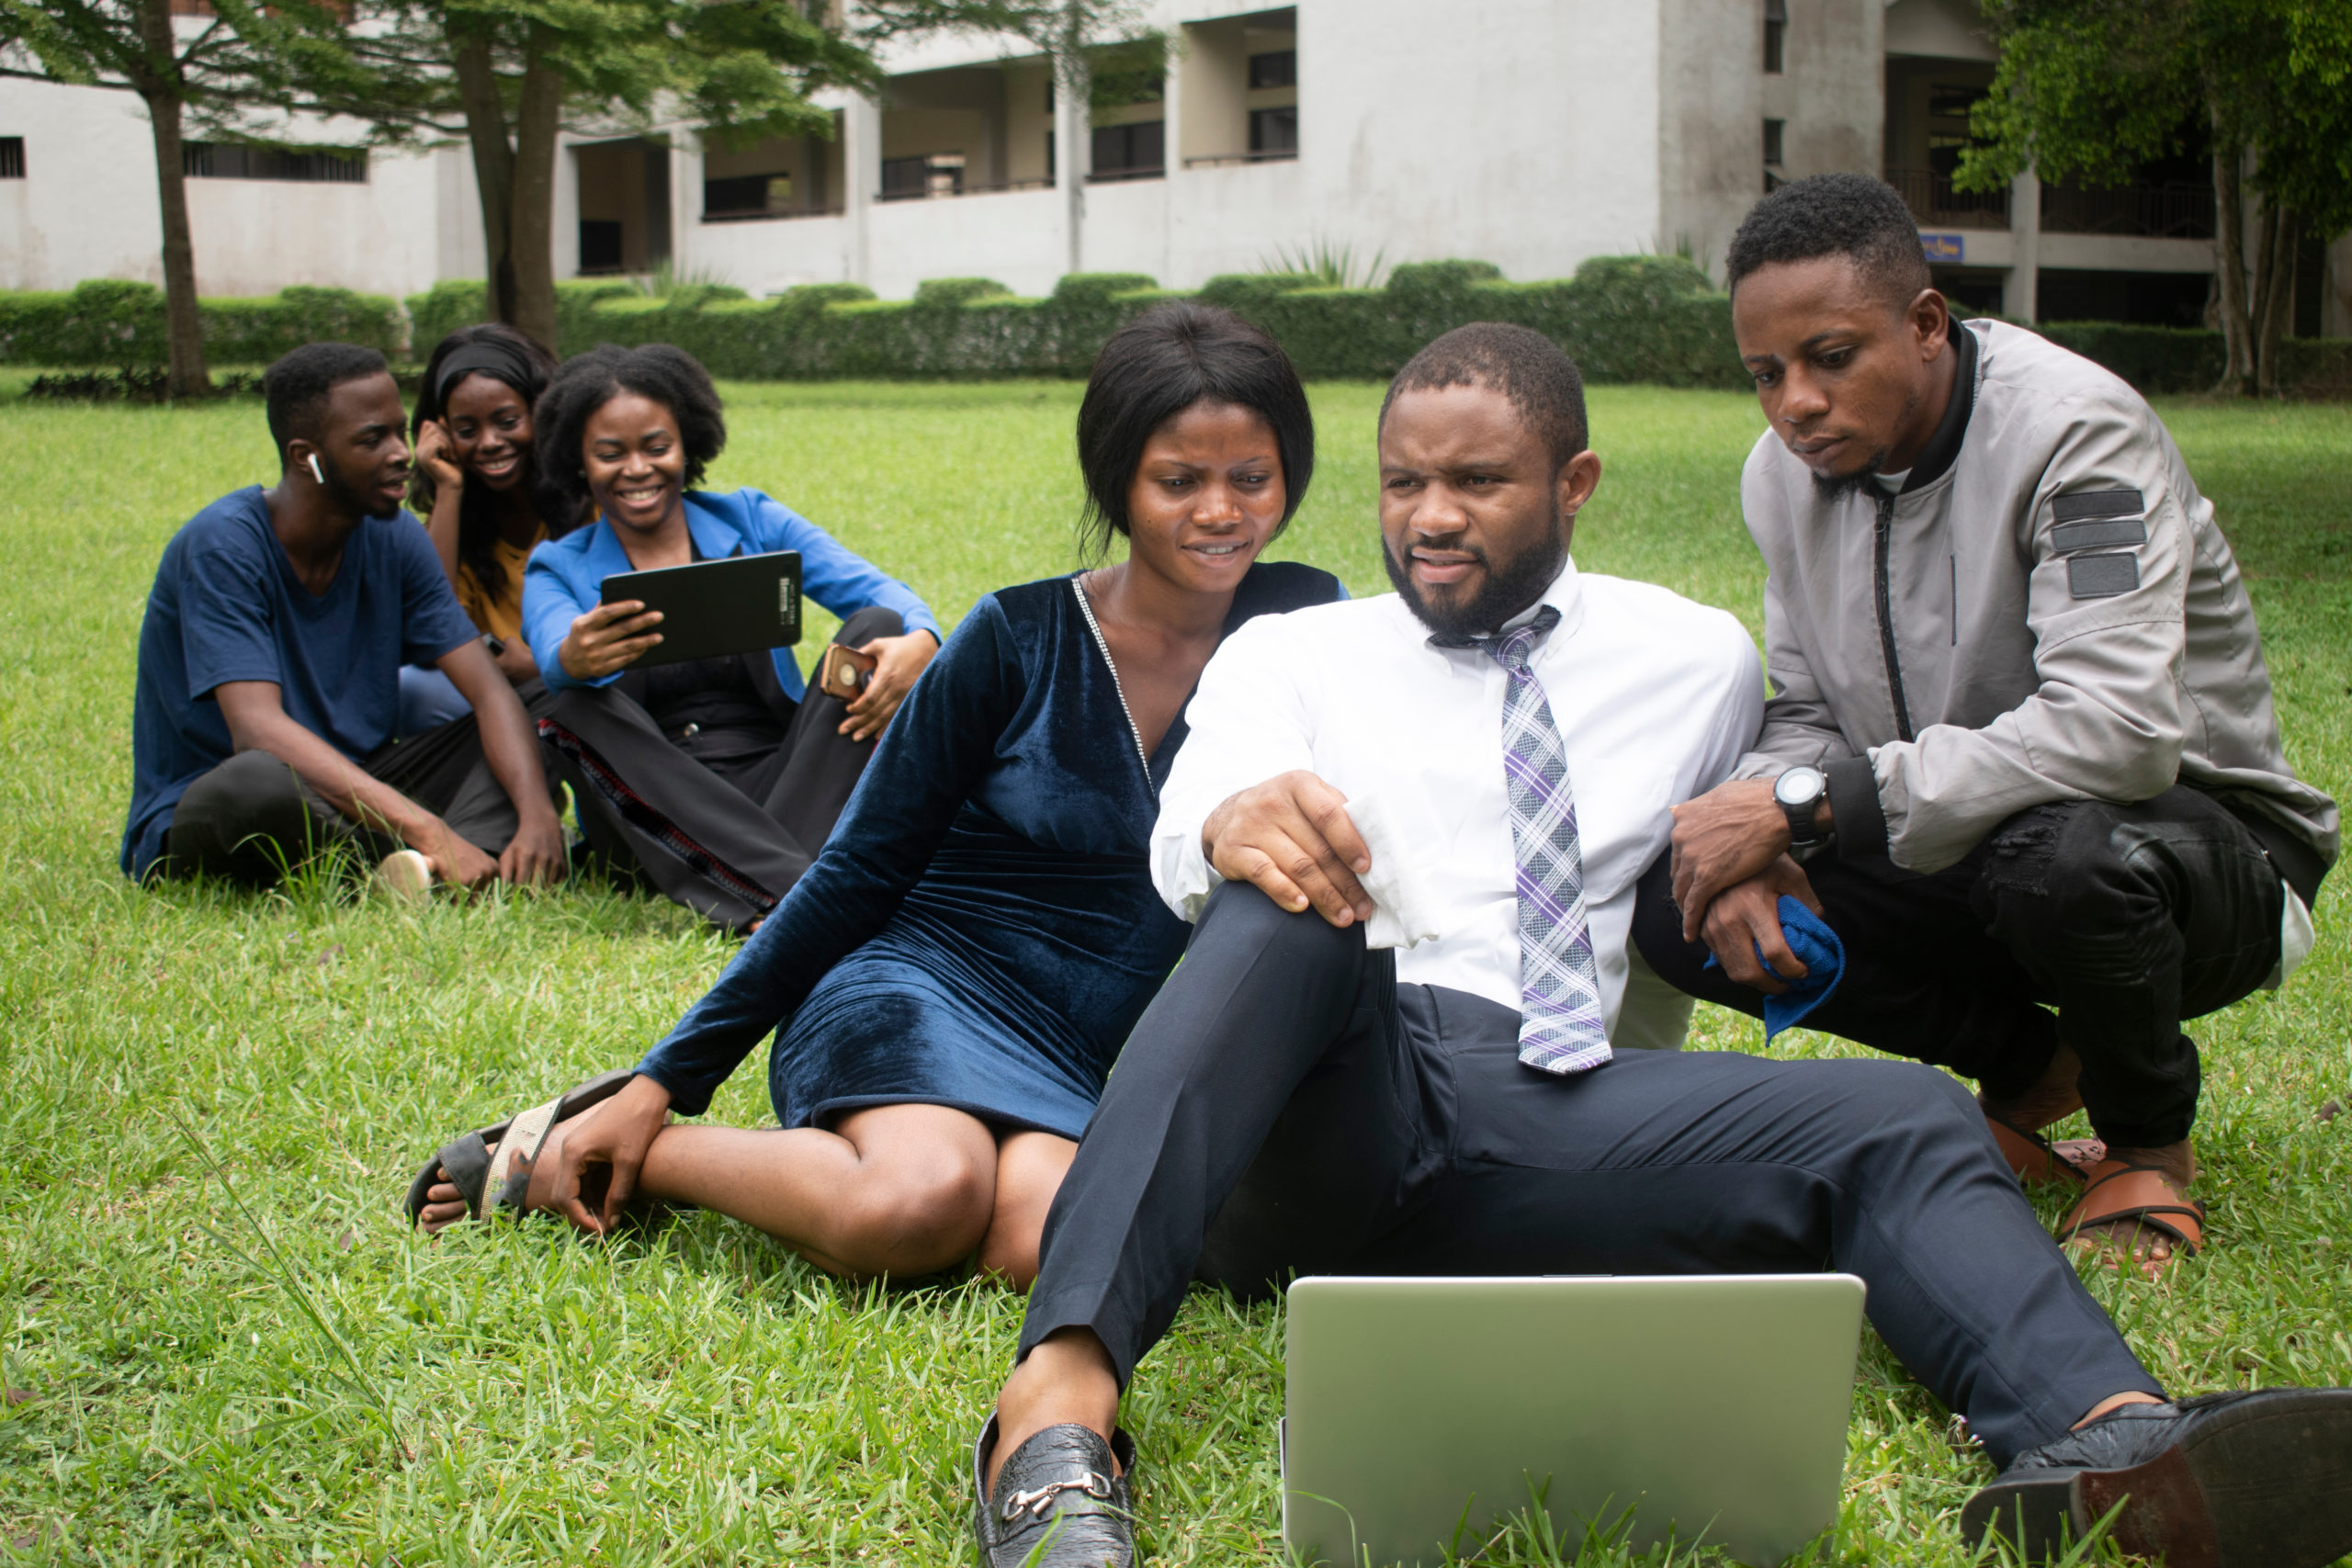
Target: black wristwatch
(1799, 793)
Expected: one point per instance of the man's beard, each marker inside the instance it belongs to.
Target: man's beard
(1836, 489)
(1508, 588)
(347, 497)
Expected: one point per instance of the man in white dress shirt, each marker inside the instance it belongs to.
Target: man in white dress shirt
(1464, 781)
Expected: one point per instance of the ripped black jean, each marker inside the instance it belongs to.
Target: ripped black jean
(2125, 920)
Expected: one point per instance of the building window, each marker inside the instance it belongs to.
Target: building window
(237, 161)
(929, 174)
(12, 157)
(1276, 68)
(1776, 35)
(1131, 152)
(1274, 133)
(740, 196)
(600, 244)
(1772, 139)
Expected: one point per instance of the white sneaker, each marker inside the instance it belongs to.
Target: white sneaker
(406, 876)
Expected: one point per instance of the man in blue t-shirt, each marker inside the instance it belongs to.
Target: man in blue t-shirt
(263, 726)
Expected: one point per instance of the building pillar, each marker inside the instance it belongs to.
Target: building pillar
(2021, 296)
(862, 179)
(1073, 157)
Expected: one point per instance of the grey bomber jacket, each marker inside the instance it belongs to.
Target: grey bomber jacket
(2046, 611)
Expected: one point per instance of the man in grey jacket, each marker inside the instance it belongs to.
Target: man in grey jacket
(2020, 736)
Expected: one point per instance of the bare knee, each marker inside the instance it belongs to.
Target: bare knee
(915, 1216)
(1009, 1253)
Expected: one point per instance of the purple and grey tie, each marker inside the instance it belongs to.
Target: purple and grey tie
(1560, 1026)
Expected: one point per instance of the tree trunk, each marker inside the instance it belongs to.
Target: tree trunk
(183, 328)
(2278, 297)
(2229, 245)
(536, 120)
(2264, 272)
(469, 52)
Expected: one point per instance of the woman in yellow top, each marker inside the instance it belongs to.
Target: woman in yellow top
(473, 485)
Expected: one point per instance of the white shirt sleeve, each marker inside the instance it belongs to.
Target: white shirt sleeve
(1249, 723)
(1740, 717)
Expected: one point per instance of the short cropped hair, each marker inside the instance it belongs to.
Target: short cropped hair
(1853, 216)
(667, 374)
(295, 389)
(1534, 373)
(1155, 368)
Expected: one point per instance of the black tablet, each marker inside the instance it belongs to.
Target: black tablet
(742, 604)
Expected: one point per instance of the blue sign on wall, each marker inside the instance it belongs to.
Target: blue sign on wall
(1943, 247)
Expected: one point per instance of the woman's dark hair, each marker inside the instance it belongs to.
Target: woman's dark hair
(505, 355)
(668, 375)
(1153, 368)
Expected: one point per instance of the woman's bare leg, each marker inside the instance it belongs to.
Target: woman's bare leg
(1029, 1171)
(898, 1190)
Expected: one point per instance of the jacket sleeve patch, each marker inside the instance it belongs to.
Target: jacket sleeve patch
(2103, 575)
(2091, 534)
(2097, 504)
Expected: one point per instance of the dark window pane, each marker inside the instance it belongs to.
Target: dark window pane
(1775, 47)
(1276, 68)
(1772, 129)
(600, 244)
(735, 193)
(905, 177)
(1273, 130)
(1137, 148)
(12, 157)
(236, 161)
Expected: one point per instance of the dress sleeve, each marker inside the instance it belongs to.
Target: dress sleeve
(835, 576)
(933, 754)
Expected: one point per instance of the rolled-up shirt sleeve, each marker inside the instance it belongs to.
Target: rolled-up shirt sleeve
(1249, 723)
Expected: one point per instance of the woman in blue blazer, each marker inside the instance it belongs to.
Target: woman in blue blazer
(663, 761)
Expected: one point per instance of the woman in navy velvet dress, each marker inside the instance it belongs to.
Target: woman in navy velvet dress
(950, 982)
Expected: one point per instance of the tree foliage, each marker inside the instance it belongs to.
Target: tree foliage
(507, 75)
(228, 74)
(2091, 89)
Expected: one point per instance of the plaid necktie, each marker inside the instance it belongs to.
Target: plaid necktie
(1560, 1028)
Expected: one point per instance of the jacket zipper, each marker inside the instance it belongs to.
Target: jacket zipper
(1886, 537)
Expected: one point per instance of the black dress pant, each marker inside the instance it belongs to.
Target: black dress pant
(721, 828)
(252, 819)
(2125, 919)
(1284, 1106)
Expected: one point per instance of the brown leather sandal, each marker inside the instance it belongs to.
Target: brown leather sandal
(2033, 1157)
(2143, 1198)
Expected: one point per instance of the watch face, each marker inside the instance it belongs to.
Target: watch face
(1798, 786)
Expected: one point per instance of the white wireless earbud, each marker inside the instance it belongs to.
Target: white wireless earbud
(316, 472)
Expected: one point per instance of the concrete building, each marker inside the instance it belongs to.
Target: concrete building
(1530, 133)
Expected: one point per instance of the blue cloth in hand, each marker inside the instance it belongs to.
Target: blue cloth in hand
(1822, 955)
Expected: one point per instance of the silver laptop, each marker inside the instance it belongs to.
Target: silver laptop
(1421, 1414)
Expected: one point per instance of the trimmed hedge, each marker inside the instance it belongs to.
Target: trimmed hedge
(113, 323)
(1626, 319)
(1654, 318)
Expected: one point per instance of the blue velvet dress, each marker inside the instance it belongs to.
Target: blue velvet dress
(981, 931)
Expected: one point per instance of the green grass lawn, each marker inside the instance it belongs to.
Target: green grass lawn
(222, 1343)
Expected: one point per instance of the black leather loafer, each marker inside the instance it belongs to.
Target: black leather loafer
(2259, 1480)
(1060, 1501)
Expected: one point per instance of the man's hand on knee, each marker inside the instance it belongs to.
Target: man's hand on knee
(1745, 917)
(1291, 839)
